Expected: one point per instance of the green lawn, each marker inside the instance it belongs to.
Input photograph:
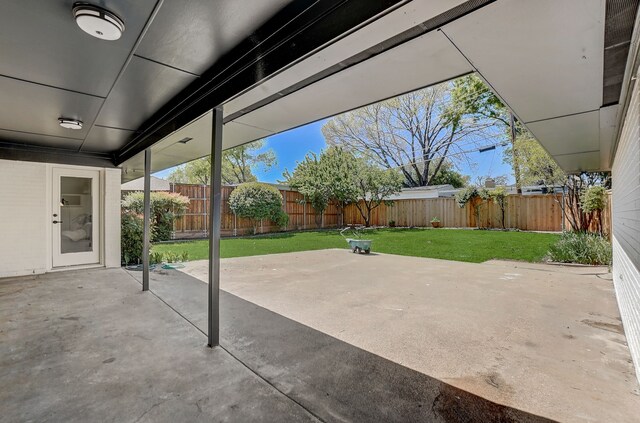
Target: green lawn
(449, 244)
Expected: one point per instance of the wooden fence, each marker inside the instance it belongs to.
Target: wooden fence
(525, 212)
(193, 224)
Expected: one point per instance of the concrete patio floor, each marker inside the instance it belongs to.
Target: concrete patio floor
(316, 336)
(540, 338)
(89, 346)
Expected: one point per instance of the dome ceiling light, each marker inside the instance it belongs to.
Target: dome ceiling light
(98, 22)
(70, 123)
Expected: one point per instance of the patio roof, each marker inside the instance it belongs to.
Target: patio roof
(275, 65)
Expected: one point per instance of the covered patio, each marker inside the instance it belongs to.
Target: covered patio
(83, 110)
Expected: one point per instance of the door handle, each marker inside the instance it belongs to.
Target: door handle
(57, 221)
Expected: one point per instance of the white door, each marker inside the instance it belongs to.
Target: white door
(76, 217)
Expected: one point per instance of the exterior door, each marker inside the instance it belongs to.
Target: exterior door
(75, 217)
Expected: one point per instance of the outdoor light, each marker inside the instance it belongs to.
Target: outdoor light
(185, 140)
(98, 22)
(70, 123)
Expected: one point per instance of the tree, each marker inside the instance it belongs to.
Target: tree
(416, 133)
(575, 187)
(472, 96)
(499, 196)
(449, 176)
(338, 165)
(257, 201)
(536, 166)
(311, 181)
(195, 172)
(238, 164)
(326, 178)
(594, 200)
(374, 186)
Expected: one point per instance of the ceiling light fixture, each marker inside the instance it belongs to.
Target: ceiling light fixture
(98, 22)
(70, 123)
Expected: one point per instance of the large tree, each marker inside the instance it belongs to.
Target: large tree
(416, 133)
(471, 96)
(238, 164)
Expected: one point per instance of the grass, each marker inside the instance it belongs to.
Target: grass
(461, 245)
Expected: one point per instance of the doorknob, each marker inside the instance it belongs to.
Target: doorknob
(57, 221)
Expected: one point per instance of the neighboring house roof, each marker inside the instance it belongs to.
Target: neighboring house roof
(157, 184)
(431, 191)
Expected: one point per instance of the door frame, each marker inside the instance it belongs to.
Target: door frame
(94, 257)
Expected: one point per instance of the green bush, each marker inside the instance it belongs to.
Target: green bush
(165, 208)
(582, 248)
(256, 201)
(155, 257)
(131, 240)
(593, 199)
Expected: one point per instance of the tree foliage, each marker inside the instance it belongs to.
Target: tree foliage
(325, 178)
(165, 208)
(311, 180)
(475, 197)
(449, 176)
(257, 201)
(238, 164)
(338, 176)
(132, 236)
(575, 188)
(536, 165)
(499, 197)
(416, 133)
(470, 95)
(374, 186)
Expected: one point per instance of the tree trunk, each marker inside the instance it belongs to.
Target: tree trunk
(516, 163)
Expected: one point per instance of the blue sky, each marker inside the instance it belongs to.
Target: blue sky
(291, 146)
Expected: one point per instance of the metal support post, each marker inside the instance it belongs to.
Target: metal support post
(147, 218)
(215, 209)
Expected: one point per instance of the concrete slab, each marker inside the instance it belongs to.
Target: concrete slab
(334, 380)
(89, 346)
(547, 342)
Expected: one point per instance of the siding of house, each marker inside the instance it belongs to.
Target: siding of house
(23, 249)
(626, 225)
(25, 219)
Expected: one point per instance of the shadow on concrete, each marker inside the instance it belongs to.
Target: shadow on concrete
(332, 379)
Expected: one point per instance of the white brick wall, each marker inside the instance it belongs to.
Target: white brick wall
(112, 218)
(23, 213)
(25, 194)
(626, 225)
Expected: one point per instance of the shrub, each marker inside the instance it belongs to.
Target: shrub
(392, 223)
(282, 219)
(131, 240)
(435, 220)
(257, 201)
(475, 197)
(499, 196)
(155, 257)
(581, 247)
(165, 208)
(593, 199)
